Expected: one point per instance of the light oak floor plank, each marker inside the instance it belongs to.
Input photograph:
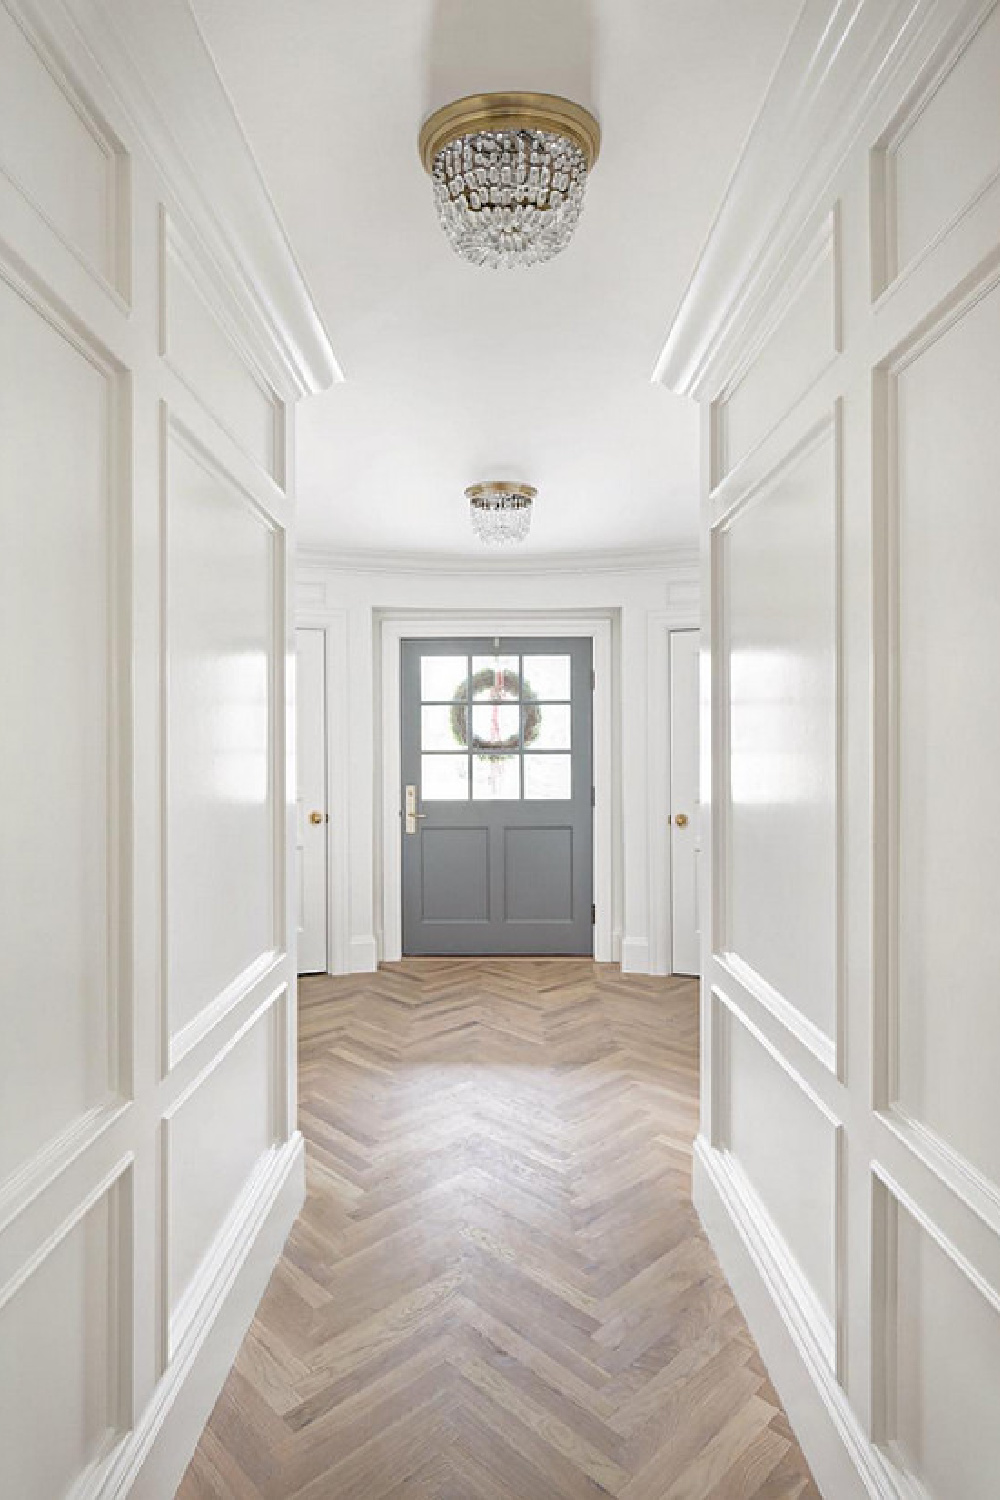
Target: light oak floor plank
(498, 1288)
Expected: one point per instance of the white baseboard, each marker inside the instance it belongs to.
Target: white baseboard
(155, 1454)
(362, 955)
(635, 955)
(845, 1463)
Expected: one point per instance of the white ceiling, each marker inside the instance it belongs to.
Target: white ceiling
(456, 373)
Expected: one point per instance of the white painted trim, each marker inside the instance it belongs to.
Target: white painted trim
(176, 1323)
(151, 1462)
(340, 955)
(635, 956)
(844, 1461)
(835, 69)
(174, 1045)
(649, 560)
(156, 62)
(116, 1186)
(660, 624)
(730, 501)
(114, 275)
(392, 630)
(362, 955)
(177, 252)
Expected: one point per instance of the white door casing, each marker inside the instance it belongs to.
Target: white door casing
(149, 1162)
(842, 333)
(311, 800)
(685, 821)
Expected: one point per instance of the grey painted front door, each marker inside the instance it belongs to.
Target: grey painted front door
(497, 759)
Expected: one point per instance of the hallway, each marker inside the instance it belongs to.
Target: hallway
(498, 1289)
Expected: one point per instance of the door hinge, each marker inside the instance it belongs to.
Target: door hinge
(593, 679)
(593, 915)
(593, 796)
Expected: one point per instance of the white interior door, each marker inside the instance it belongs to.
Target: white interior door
(684, 801)
(311, 853)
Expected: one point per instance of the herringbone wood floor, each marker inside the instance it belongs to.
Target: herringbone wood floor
(498, 1289)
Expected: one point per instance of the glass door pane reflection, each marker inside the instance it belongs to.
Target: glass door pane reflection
(496, 778)
(548, 778)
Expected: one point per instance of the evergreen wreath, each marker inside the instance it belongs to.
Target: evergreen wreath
(480, 682)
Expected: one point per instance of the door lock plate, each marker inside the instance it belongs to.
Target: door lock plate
(410, 814)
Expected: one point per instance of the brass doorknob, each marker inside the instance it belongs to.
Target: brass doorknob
(681, 820)
(317, 817)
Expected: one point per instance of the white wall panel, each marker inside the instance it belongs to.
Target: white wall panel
(59, 1353)
(939, 1362)
(214, 1136)
(150, 1168)
(851, 538)
(222, 916)
(947, 147)
(779, 564)
(787, 1147)
(801, 340)
(58, 151)
(206, 354)
(57, 744)
(948, 743)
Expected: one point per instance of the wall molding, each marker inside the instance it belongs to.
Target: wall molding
(825, 1331)
(176, 1322)
(178, 254)
(888, 1197)
(649, 560)
(115, 275)
(34, 1174)
(115, 1186)
(846, 1463)
(834, 71)
(152, 1460)
(889, 268)
(972, 1186)
(817, 251)
(155, 60)
(174, 1044)
(731, 501)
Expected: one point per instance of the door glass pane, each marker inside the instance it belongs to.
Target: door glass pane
(495, 677)
(437, 727)
(547, 676)
(444, 778)
(546, 726)
(442, 678)
(496, 777)
(495, 726)
(548, 777)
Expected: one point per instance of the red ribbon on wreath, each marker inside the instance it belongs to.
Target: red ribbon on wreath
(501, 684)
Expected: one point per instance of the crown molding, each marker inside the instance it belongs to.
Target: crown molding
(158, 64)
(648, 560)
(836, 66)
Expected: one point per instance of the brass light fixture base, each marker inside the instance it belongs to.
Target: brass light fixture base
(513, 111)
(493, 489)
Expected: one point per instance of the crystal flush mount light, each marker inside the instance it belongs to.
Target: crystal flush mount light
(500, 511)
(509, 172)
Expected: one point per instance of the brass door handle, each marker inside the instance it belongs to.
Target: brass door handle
(317, 817)
(681, 820)
(416, 815)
